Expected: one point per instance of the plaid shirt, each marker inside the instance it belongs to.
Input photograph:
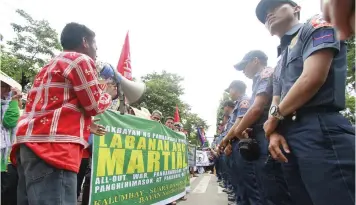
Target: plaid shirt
(64, 96)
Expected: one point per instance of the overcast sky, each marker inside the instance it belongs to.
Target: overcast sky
(200, 40)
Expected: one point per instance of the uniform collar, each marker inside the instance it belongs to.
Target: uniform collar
(285, 40)
(257, 75)
(240, 98)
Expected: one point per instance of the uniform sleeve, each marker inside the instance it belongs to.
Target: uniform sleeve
(277, 89)
(264, 85)
(11, 115)
(243, 106)
(84, 79)
(318, 35)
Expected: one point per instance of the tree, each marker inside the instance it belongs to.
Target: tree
(349, 112)
(191, 122)
(163, 93)
(220, 111)
(35, 43)
(351, 63)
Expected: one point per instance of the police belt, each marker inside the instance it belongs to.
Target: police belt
(311, 110)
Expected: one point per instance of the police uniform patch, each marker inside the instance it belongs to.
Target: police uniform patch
(318, 21)
(244, 104)
(323, 36)
(266, 73)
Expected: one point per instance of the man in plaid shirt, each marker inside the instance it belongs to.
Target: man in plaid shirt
(54, 129)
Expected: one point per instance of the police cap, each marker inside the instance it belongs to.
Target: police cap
(264, 5)
(238, 85)
(250, 56)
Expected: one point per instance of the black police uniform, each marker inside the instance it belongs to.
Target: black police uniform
(243, 171)
(272, 182)
(321, 140)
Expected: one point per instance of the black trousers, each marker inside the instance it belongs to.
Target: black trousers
(9, 182)
(86, 185)
(81, 174)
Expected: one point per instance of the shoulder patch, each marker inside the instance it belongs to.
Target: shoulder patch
(244, 104)
(267, 72)
(318, 21)
(323, 36)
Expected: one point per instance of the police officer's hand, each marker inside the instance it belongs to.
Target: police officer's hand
(341, 13)
(223, 143)
(276, 141)
(245, 134)
(228, 150)
(270, 125)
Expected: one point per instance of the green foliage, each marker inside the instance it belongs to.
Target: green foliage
(35, 43)
(351, 63)
(163, 93)
(220, 111)
(349, 112)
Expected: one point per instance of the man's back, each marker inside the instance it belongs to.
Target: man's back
(62, 99)
(64, 96)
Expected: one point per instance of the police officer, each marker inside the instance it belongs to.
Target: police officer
(237, 91)
(269, 174)
(318, 142)
(227, 168)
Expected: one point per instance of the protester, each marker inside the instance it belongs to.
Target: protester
(310, 81)
(10, 113)
(178, 127)
(169, 122)
(54, 129)
(100, 131)
(270, 179)
(156, 115)
(341, 13)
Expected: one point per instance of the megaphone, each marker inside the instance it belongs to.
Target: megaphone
(133, 91)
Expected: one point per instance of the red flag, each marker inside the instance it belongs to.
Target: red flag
(124, 65)
(176, 115)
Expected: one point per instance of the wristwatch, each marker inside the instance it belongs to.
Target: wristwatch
(274, 111)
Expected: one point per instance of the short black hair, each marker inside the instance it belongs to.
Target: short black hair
(229, 103)
(73, 34)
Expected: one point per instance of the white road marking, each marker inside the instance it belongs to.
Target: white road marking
(203, 185)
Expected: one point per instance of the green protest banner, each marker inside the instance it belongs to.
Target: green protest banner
(138, 161)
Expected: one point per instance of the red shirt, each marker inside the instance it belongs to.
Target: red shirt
(64, 96)
(86, 154)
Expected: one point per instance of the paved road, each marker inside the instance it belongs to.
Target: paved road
(205, 190)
